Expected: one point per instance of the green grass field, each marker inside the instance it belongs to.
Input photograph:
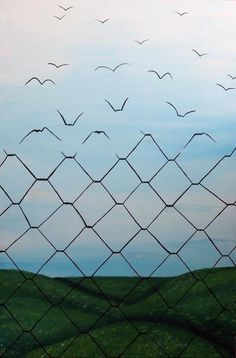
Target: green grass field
(192, 315)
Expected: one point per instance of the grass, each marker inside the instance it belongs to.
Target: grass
(191, 315)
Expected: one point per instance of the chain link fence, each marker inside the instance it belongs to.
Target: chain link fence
(136, 263)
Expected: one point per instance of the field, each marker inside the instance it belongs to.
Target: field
(191, 315)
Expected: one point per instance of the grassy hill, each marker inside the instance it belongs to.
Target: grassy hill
(191, 315)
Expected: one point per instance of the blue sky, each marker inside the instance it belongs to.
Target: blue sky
(31, 38)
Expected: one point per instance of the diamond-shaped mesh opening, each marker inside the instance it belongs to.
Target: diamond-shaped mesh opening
(15, 185)
(40, 202)
(144, 205)
(94, 203)
(117, 227)
(88, 252)
(199, 206)
(171, 229)
(147, 159)
(21, 251)
(199, 242)
(10, 233)
(112, 323)
(144, 253)
(222, 230)
(76, 179)
(59, 234)
(121, 181)
(170, 183)
(222, 179)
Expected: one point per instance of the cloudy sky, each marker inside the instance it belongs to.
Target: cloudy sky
(31, 37)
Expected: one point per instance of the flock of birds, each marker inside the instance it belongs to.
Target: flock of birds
(124, 103)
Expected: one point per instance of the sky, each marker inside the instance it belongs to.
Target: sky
(144, 231)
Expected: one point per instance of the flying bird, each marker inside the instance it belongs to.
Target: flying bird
(69, 124)
(198, 53)
(41, 82)
(141, 42)
(199, 134)
(58, 66)
(224, 88)
(180, 115)
(161, 76)
(181, 13)
(95, 132)
(118, 109)
(59, 18)
(103, 21)
(38, 131)
(112, 69)
(65, 8)
(233, 77)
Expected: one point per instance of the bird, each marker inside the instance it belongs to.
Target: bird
(112, 69)
(224, 88)
(199, 134)
(69, 124)
(198, 53)
(95, 132)
(233, 77)
(180, 115)
(103, 21)
(181, 13)
(59, 18)
(65, 8)
(38, 131)
(118, 109)
(161, 76)
(141, 42)
(41, 82)
(58, 66)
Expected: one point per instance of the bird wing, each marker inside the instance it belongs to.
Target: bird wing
(115, 110)
(46, 128)
(121, 64)
(62, 117)
(77, 118)
(33, 130)
(174, 108)
(87, 137)
(233, 78)
(196, 52)
(218, 84)
(167, 73)
(48, 80)
(155, 72)
(106, 135)
(33, 78)
(185, 114)
(124, 103)
(103, 67)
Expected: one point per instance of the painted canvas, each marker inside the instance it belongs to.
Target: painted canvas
(117, 178)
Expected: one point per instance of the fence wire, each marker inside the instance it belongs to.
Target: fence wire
(51, 198)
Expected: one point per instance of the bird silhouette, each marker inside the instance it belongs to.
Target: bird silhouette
(233, 77)
(199, 134)
(39, 81)
(95, 132)
(38, 131)
(118, 109)
(65, 8)
(112, 69)
(141, 42)
(69, 124)
(103, 21)
(58, 66)
(198, 53)
(161, 76)
(59, 18)
(181, 13)
(224, 88)
(180, 115)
